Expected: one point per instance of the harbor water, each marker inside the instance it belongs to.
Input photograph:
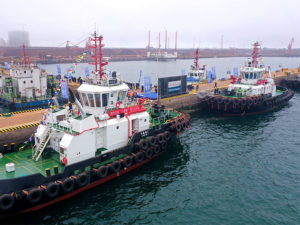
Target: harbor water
(222, 171)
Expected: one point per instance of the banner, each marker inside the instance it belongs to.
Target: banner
(209, 77)
(64, 89)
(183, 72)
(147, 84)
(213, 73)
(235, 72)
(174, 86)
(140, 78)
(6, 65)
(87, 72)
(58, 69)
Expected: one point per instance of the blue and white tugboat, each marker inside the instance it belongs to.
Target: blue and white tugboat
(76, 151)
(196, 74)
(253, 93)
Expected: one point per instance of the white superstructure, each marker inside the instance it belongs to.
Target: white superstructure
(104, 125)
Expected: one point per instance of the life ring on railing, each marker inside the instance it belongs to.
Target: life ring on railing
(118, 104)
(65, 160)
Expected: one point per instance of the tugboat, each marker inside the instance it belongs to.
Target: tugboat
(26, 86)
(252, 93)
(196, 74)
(75, 152)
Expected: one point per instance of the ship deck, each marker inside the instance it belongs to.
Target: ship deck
(278, 92)
(25, 165)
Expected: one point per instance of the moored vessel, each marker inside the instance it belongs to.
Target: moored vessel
(26, 86)
(75, 151)
(253, 93)
(196, 73)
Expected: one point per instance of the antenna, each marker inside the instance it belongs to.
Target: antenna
(255, 54)
(176, 41)
(158, 41)
(149, 40)
(222, 42)
(196, 64)
(166, 40)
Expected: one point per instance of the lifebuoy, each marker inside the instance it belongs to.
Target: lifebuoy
(250, 102)
(7, 201)
(115, 166)
(67, 185)
(34, 196)
(52, 190)
(118, 104)
(82, 179)
(128, 160)
(149, 153)
(139, 157)
(102, 171)
(65, 161)
(188, 124)
(178, 127)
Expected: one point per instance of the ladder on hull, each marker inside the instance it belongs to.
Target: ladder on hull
(43, 144)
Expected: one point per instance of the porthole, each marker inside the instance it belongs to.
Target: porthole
(24, 82)
(118, 127)
(145, 120)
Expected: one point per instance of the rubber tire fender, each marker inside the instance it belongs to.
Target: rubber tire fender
(164, 145)
(52, 190)
(67, 185)
(7, 201)
(144, 144)
(102, 171)
(115, 166)
(128, 160)
(168, 135)
(139, 157)
(156, 149)
(82, 180)
(151, 140)
(183, 126)
(160, 138)
(149, 153)
(178, 127)
(34, 196)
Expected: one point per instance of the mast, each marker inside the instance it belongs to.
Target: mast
(25, 57)
(255, 54)
(95, 43)
(196, 64)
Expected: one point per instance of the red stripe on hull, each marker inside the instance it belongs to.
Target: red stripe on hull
(94, 184)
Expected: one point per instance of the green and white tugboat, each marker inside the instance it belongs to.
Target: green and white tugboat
(252, 93)
(74, 152)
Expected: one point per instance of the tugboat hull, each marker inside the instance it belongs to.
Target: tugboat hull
(252, 105)
(33, 192)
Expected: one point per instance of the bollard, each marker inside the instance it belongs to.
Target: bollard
(12, 146)
(5, 147)
(55, 169)
(48, 173)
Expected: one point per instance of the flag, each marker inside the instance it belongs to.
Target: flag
(140, 77)
(6, 65)
(209, 77)
(213, 73)
(235, 72)
(64, 90)
(183, 72)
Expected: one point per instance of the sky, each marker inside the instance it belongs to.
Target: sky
(125, 23)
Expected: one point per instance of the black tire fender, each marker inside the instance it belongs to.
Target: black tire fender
(82, 180)
(128, 160)
(7, 201)
(67, 185)
(34, 196)
(139, 157)
(52, 190)
(149, 153)
(115, 166)
(102, 171)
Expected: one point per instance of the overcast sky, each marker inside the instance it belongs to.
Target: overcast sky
(125, 23)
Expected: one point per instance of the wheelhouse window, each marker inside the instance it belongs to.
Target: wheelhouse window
(251, 75)
(246, 75)
(85, 99)
(254, 76)
(104, 100)
(91, 100)
(120, 96)
(98, 101)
